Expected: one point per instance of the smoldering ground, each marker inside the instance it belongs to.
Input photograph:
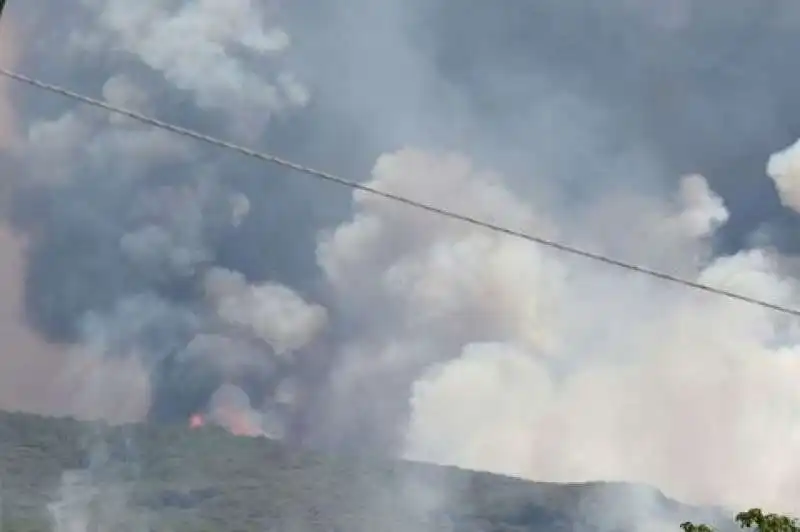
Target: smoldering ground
(640, 130)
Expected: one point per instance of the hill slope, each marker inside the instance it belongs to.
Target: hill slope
(148, 477)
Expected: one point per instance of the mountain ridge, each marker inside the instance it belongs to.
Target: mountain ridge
(57, 472)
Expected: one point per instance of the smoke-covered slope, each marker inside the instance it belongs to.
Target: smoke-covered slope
(171, 478)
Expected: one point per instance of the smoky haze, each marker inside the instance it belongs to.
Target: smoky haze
(657, 132)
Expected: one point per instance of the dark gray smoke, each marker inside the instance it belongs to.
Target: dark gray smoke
(124, 224)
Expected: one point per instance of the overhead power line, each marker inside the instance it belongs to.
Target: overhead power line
(327, 176)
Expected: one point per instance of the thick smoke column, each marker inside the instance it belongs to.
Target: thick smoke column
(127, 258)
(537, 365)
(37, 376)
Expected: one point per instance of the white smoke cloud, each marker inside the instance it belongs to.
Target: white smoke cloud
(784, 169)
(231, 356)
(272, 311)
(153, 247)
(530, 363)
(231, 408)
(58, 149)
(82, 503)
(226, 54)
(704, 211)
(192, 47)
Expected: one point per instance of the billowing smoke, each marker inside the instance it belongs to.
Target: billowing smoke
(784, 169)
(533, 364)
(159, 294)
(188, 44)
(37, 376)
(235, 293)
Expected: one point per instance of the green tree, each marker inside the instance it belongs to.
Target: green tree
(754, 519)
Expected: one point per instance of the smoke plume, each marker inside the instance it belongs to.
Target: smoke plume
(236, 293)
(532, 364)
(37, 376)
(784, 169)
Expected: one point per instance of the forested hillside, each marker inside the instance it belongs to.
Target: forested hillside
(59, 474)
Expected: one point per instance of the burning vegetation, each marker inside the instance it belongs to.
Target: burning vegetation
(230, 409)
(208, 480)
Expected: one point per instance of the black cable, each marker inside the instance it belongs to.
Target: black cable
(327, 176)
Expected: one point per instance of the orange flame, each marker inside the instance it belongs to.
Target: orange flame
(235, 421)
(196, 421)
(238, 422)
